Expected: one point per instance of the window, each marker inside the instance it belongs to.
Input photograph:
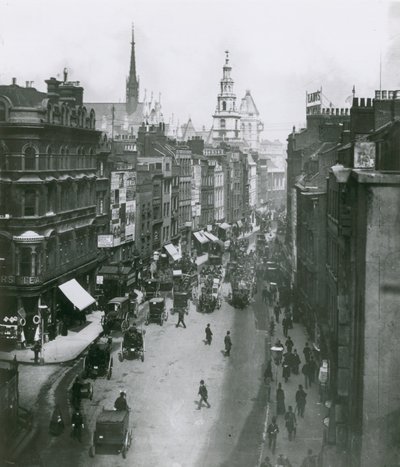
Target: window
(30, 203)
(222, 123)
(223, 105)
(2, 112)
(25, 262)
(167, 167)
(30, 158)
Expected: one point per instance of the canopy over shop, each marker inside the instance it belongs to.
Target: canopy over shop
(201, 242)
(76, 294)
(173, 252)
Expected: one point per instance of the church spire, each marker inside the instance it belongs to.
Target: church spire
(132, 83)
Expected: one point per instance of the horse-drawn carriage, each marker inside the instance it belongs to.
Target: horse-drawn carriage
(240, 294)
(132, 345)
(112, 430)
(151, 288)
(98, 361)
(116, 315)
(157, 312)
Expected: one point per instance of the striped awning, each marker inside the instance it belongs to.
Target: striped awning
(173, 252)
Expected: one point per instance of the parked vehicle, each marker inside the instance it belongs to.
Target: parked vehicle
(151, 288)
(112, 429)
(157, 312)
(98, 361)
(132, 345)
(117, 314)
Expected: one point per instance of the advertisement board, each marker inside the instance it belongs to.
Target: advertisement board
(105, 241)
(314, 102)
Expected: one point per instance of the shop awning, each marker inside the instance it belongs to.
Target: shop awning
(201, 237)
(239, 223)
(173, 252)
(225, 226)
(211, 236)
(76, 294)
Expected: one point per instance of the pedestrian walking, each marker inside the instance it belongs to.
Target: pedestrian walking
(286, 367)
(203, 393)
(77, 425)
(307, 352)
(280, 401)
(301, 397)
(272, 432)
(306, 372)
(228, 343)
(285, 326)
(265, 295)
(312, 370)
(277, 312)
(295, 362)
(209, 334)
(311, 460)
(181, 318)
(289, 344)
(266, 463)
(290, 423)
(36, 351)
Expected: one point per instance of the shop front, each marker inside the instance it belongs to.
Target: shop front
(201, 243)
(113, 281)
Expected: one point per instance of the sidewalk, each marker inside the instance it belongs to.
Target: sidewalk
(310, 428)
(66, 348)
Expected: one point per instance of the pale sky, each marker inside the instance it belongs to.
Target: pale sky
(279, 50)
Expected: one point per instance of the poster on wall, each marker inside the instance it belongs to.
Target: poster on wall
(364, 155)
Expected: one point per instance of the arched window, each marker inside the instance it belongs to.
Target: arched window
(30, 158)
(3, 113)
(223, 105)
(222, 123)
(29, 202)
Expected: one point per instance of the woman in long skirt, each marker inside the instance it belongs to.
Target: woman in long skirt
(280, 401)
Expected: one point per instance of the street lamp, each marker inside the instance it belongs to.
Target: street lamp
(43, 314)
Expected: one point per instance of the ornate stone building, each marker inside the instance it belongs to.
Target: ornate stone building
(53, 201)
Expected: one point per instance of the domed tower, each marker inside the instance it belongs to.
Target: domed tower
(226, 119)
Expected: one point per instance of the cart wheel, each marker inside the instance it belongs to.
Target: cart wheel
(91, 392)
(124, 452)
(120, 357)
(109, 373)
(166, 316)
(142, 357)
(92, 451)
(161, 321)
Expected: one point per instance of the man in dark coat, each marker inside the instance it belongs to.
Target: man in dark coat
(181, 318)
(228, 344)
(76, 392)
(289, 344)
(307, 352)
(203, 393)
(120, 402)
(272, 432)
(301, 396)
(36, 350)
(209, 334)
(285, 326)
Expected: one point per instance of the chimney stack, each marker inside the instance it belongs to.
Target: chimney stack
(14, 81)
(52, 89)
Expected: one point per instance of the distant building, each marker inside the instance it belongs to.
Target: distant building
(118, 119)
(250, 123)
(226, 118)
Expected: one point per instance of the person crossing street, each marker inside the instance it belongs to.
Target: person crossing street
(228, 343)
(272, 432)
(181, 318)
(203, 393)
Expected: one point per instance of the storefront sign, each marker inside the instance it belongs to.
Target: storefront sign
(105, 241)
(314, 102)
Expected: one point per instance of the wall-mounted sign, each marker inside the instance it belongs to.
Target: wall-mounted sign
(314, 102)
(105, 241)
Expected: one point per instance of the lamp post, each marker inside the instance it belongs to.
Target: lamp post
(43, 314)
